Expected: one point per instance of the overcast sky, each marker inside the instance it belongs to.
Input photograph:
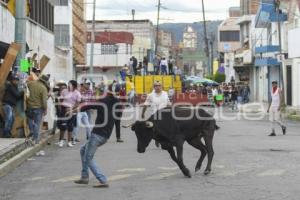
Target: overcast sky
(173, 11)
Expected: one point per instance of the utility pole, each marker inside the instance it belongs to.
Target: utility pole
(20, 29)
(91, 71)
(133, 14)
(209, 67)
(157, 27)
(281, 82)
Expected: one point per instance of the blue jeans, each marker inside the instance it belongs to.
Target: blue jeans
(9, 118)
(87, 153)
(82, 121)
(35, 123)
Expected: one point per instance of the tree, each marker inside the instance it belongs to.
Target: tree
(218, 77)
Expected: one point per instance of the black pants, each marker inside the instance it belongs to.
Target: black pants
(118, 124)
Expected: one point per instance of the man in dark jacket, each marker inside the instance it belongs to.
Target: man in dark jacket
(104, 125)
(11, 96)
(134, 65)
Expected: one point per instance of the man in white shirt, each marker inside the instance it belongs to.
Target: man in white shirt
(156, 100)
(163, 66)
(274, 108)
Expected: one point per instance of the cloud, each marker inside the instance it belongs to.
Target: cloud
(173, 10)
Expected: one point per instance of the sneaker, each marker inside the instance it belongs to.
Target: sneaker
(69, 144)
(120, 140)
(61, 143)
(272, 134)
(101, 185)
(82, 181)
(73, 142)
(283, 130)
(76, 140)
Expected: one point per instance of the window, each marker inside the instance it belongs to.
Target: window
(109, 49)
(62, 35)
(230, 36)
(42, 12)
(59, 2)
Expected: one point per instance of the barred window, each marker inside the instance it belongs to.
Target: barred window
(42, 12)
(109, 49)
(59, 2)
(62, 35)
(229, 36)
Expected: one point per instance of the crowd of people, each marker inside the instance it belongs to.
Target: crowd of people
(74, 102)
(65, 96)
(223, 94)
(162, 66)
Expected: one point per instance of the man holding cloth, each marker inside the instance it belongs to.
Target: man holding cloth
(275, 106)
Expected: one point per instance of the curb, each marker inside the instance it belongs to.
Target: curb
(20, 158)
(294, 117)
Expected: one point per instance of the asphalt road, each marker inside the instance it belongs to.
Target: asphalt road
(247, 165)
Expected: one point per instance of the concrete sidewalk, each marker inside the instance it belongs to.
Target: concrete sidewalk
(13, 152)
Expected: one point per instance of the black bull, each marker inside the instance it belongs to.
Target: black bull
(171, 127)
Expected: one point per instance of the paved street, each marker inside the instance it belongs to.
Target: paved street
(247, 165)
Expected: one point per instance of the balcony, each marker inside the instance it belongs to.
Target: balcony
(267, 14)
(266, 62)
(267, 49)
(244, 57)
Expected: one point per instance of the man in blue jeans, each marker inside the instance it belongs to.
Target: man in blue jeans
(10, 98)
(37, 105)
(104, 124)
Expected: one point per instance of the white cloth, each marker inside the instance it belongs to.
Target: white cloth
(275, 100)
(164, 62)
(157, 101)
(275, 114)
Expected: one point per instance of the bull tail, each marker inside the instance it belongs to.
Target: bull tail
(217, 127)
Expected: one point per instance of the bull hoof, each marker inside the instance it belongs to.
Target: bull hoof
(187, 173)
(197, 168)
(207, 171)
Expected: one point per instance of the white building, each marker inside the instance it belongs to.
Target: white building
(142, 30)
(40, 37)
(190, 39)
(292, 63)
(228, 43)
(112, 51)
(63, 40)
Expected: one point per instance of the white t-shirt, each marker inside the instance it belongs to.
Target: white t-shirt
(164, 62)
(157, 101)
(275, 99)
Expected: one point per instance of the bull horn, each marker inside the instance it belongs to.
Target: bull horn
(149, 124)
(128, 125)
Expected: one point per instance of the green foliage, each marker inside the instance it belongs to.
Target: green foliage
(211, 77)
(219, 78)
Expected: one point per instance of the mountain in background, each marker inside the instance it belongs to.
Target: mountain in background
(178, 28)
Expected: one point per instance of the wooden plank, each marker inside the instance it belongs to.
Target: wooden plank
(9, 60)
(43, 62)
(6, 66)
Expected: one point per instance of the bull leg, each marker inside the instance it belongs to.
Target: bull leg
(210, 152)
(197, 143)
(181, 165)
(172, 154)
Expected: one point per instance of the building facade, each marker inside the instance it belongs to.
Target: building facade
(112, 51)
(142, 30)
(164, 43)
(228, 43)
(267, 66)
(190, 39)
